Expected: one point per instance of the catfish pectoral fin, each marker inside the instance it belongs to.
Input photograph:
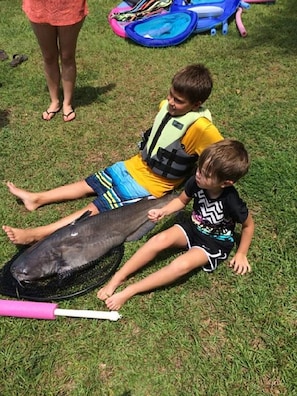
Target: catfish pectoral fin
(85, 215)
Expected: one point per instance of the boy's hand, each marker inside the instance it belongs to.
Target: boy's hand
(240, 264)
(155, 215)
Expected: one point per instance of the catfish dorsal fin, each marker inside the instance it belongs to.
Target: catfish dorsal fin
(85, 215)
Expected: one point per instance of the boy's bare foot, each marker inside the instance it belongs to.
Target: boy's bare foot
(106, 291)
(20, 236)
(116, 301)
(29, 199)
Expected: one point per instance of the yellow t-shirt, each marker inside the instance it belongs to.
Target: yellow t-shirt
(200, 135)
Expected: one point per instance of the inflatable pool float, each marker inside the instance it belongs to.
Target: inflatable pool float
(218, 13)
(118, 27)
(125, 13)
(162, 23)
(163, 30)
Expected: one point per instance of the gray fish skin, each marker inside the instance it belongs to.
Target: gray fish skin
(85, 240)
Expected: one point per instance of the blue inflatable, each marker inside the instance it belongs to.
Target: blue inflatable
(163, 23)
(163, 30)
(212, 13)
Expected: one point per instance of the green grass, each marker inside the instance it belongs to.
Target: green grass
(213, 335)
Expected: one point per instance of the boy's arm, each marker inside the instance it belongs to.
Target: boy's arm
(239, 262)
(173, 206)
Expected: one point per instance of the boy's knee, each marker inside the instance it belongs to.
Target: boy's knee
(159, 239)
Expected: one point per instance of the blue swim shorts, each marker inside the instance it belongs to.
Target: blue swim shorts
(115, 187)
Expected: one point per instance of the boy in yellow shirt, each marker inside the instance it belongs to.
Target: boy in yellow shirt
(168, 152)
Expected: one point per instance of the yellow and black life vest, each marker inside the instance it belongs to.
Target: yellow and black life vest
(161, 146)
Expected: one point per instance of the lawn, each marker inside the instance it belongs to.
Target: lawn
(212, 334)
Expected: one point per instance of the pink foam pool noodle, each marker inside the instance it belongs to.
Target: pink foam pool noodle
(239, 24)
(41, 310)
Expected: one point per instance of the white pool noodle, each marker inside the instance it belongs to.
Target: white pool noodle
(80, 313)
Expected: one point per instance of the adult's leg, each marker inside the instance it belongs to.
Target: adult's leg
(33, 200)
(172, 237)
(27, 236)
(67, 36)
(47, 39)
(179, 267)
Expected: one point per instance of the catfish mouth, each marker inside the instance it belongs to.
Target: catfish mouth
(27, 278)
(23, 278)
(25, 282)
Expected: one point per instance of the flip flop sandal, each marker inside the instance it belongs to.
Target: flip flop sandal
(51, 114)
(3, 55)
(18, 59)
(65, 116)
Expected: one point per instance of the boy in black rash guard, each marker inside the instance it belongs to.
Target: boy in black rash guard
(208, 234)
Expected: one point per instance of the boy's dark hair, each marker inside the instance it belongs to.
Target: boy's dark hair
(226, 160)
(194, 82)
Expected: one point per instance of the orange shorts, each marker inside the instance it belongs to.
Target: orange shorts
(55, 12)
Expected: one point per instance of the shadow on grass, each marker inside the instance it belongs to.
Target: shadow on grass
(83, 96)
(4, 118)
(278, 29)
